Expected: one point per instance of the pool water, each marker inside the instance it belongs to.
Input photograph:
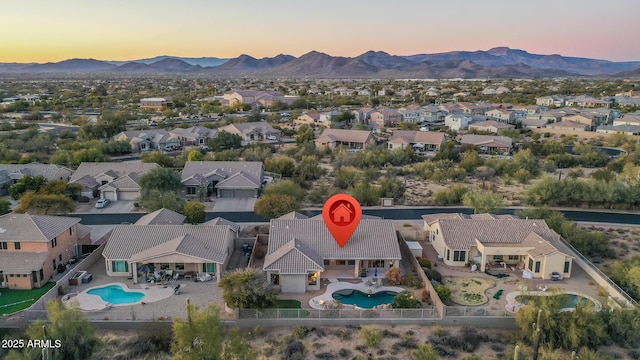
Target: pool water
(365, 301)
(116, 295)
(567, 301)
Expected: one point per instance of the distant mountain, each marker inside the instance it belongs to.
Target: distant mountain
(201, 61)
(499, 62)
(246, 63)
(634, 74)
(73, 65)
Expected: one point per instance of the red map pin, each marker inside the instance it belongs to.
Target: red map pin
(342, 214)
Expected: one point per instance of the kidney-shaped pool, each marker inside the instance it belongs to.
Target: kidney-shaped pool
(364, 300)
(116, 295)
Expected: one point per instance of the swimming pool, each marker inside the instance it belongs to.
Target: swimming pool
(362, 300)
(565, 301)
(116, 295)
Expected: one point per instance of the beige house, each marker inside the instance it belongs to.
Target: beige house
(488, 143)
(499, 242)
(385, 117)
(350, 139)
(181, 250)
(252, 131)
(33, 246)
(581, 118)
(300, 250)
(194, 136)
(569, 125)
(114, 181)
(222, 179)
(491, 126)
(308, 119)
(159, 103)
(424, 143)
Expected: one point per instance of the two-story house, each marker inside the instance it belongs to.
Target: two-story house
(32, 247)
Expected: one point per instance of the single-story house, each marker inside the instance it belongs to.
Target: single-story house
(349, 139)
(488, 143)
(114, 181)
(422, 142)
(495, 242)
(569, 125)
(623, 129)
(32, 247)
(182, 249)
(149, 140)
(225, 179)
(300, 250)
(251, 131)
(491, 126)
(194, 136)
(162, 217)
(11, 173)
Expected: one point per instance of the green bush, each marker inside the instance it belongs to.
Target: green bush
(444, 292)
(413, 281)
(425, 263)
(371, 335)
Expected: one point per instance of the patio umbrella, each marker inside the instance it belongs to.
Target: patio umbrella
(146, 269)
(375, 272)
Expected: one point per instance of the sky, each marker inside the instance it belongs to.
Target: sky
(49, 31)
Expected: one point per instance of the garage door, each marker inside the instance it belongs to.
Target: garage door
(128, 195)
(236, 193)
(111, 195)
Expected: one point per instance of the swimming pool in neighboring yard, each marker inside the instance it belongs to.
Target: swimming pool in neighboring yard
(116, 295)
(567, 301)
(364, 300)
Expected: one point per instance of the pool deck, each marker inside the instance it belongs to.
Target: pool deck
(89, 302)
(318, 302)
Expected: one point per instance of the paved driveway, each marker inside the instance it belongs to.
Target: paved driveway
(234, 204)
(120, 206)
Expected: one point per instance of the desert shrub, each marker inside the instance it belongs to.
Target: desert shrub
(473, 357)
(394, 276)
(299, 332)
(407, 343)
(371, 335)
(439, 331)
(413, 281)
(344, 353)
(345, 334)
(294, 350)
(325, 355)
(425, 296)
(433, 275)
(444, 292)
(390, 334)
(469, 338)
(425, 263)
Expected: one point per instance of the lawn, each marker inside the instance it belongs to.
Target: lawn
(290, 304)
(15, 300)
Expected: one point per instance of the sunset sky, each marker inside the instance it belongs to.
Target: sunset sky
(45, 30)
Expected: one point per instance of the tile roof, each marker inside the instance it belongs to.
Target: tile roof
(126, 241)
(246, 128)
(49, 171)
(224, 169)
(461, 234)
(161, 217)
(186, 245)
(294, 257)
(125, 182)
(293, 215)
(27, 227)
(240, 180)
(496, 124)
(222, 221)
(22, 262)
(480, 140)
(357, 136)
(83, 230)
(94, 169)
(195, 132)
(567, 124)
(413, 137)
(372, 239)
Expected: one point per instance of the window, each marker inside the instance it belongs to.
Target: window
(514, 257)
(54, 265)
(72, 230)
(326, 262)
(567, 266)
(448, 254)
(119, 266)
(537, 266)
(351, 262)
(16, 245)
(341, 262)
(191, 190)
(164, 266)
(497, 257)
(530, 264)
(3, 245)
(41, 274)
(180, 266)
(459, 255)
(60, 257)
(54, 242)
(209, 267)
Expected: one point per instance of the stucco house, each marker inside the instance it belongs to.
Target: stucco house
(569, 125)
(156, 103)
(251, 131)
(113, 181)
(11, 173)
(223, 179)
(32, 247)
(457, 122)
(488, 143)
(499, 242)
(385, 117)
(349, 139)
(186, 250)
(491, 126)
(194, 136)
(424, 143)
(149, 140)
(300, 250)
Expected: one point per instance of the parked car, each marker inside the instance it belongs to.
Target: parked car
(272, 137)
(102, 203)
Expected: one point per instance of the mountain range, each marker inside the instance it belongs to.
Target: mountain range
(500, 62)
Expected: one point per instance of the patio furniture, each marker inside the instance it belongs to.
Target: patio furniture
(498, 294)
(555, 276)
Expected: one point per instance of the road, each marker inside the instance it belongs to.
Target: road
(413, 213)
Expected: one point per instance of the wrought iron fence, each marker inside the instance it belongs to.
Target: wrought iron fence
(425, 313)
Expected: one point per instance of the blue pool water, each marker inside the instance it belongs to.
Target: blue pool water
(365, 301)
(116, 295)
(567, 301)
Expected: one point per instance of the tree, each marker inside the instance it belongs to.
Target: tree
(246, 289)
(286, 187)
(272, 206)
(5, 207)
(305, 133)
(309, 168)
(60, 187)
(225, 141)
(161, 179)
(78, 339)
(346, 177)
(200, 336)
(195, 155)
(46, 204)
(195, 212)
(483, 201)
(27, 183)
(282, 165)
(159, 158)
(155, 200)
(405, 300)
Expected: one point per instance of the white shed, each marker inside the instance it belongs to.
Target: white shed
(416, 248)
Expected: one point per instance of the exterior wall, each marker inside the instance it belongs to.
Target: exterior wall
(237, 193)
(555, 263)
(128, 195)
(293, 283)
(457, 123)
